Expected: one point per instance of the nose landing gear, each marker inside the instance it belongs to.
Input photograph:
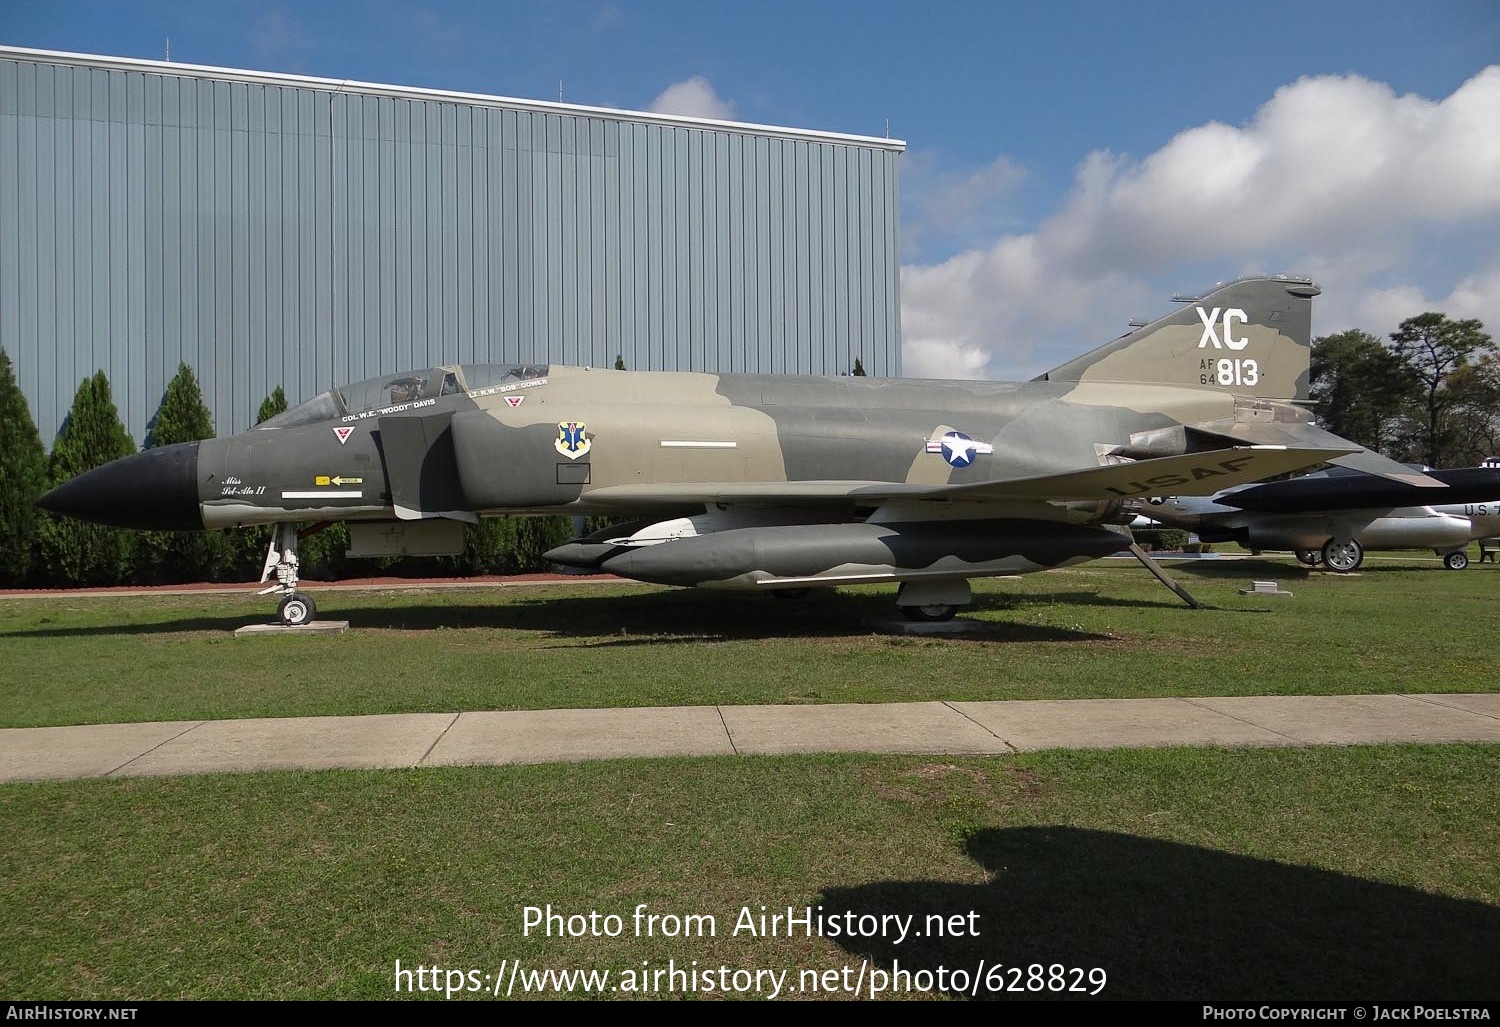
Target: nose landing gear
(296, 608)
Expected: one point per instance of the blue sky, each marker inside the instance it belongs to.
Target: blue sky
(1014, 114)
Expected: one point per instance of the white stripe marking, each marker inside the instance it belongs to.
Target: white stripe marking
(687, 444)
(323, 494)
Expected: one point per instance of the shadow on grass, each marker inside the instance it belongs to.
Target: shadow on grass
(1017, 600)
(181, 625)
(1258, 568)
(655, 618)
(1172, 921)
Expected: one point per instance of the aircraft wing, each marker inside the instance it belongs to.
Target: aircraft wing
(1195, 474)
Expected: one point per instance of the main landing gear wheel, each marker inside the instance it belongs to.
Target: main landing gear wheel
(296, 610)
(1343, 557)
(1456, 560)
(930, 612)
(1311, 557)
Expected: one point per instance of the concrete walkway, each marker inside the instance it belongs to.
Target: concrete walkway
(545, 736)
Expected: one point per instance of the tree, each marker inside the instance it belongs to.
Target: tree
(859, 368)
(1474, 417)
(619, 361)
(272, 405)
(182, 416)
(77, 552)
(179, 555)
(508, 545)
(247, 546)
(23, 477)
(1360, 389)
(1433, 347)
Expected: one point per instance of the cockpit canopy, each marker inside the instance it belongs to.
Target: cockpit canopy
(395, 393)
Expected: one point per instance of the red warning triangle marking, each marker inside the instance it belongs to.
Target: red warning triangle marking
(343, 434)
(515, 401)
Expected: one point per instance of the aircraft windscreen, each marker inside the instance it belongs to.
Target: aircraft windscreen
(322, 407)
(390, 390)
(484, 376)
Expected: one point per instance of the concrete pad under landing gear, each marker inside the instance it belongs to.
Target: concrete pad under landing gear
(956, 626)
(317, 627)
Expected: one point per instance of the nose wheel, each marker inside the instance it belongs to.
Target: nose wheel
(295, 608)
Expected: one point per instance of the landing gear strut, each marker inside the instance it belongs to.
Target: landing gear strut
(296, 608)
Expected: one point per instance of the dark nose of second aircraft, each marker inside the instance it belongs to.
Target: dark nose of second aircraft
(155, 490)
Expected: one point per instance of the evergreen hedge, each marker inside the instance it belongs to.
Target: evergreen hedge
(1168, 540)
(76, 552)
(177, 556)
(23, 478)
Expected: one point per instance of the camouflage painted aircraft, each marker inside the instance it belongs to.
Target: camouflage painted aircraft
(1332, 517)
(767, 482)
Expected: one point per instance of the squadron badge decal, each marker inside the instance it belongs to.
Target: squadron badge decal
(572, 441)
(958, 449)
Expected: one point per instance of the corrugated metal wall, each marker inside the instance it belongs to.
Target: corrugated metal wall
(278, 234)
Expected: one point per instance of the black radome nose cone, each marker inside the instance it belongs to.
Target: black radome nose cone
(156, 489)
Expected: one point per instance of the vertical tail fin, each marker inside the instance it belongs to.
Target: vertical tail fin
(1252, 337)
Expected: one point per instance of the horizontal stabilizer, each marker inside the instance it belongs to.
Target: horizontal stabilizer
(1373, 463)
(1307, 435)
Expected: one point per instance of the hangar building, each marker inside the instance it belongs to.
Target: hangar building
(279, 230)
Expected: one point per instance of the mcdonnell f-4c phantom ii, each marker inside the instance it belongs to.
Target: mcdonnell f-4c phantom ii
(767, 482)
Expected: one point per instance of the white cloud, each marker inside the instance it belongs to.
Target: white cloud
(1475, 295)
(693, 98)
(959, 208)
(942, 359)
(1376, 195)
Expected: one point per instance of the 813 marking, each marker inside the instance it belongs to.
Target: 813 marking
(1229, 372)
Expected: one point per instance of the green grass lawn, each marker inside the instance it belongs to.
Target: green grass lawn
(1363, 873)
(1103, 629)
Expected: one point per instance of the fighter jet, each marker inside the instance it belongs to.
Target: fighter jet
(1331, 518)
(767, 483)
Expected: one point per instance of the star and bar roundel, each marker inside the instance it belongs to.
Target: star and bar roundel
(958, 449)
